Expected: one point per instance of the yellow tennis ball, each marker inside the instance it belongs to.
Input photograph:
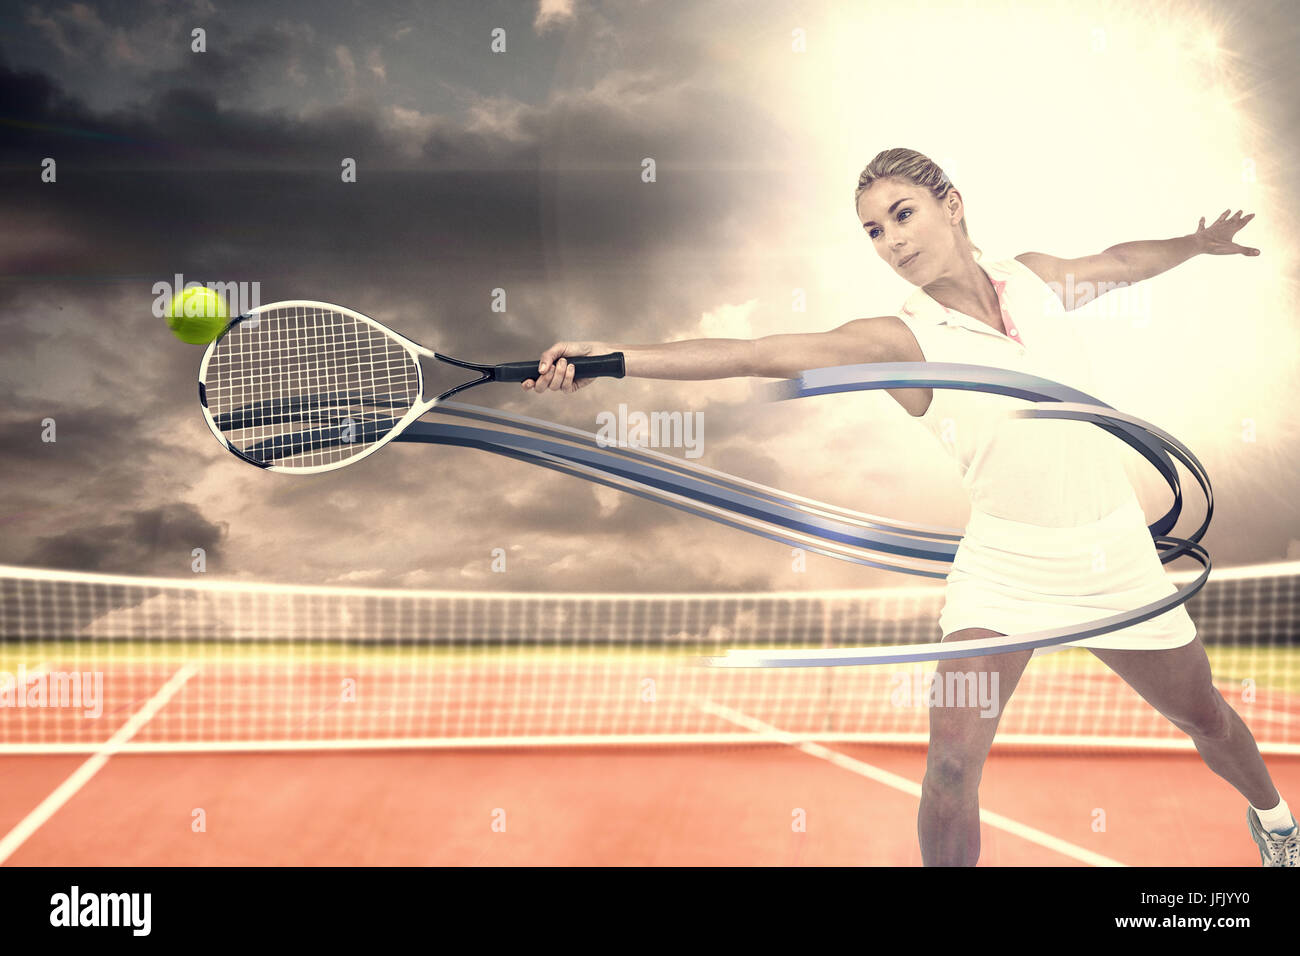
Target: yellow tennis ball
(197, 316)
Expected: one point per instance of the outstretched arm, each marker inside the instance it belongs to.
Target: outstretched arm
(773, 356)
(1131, 262)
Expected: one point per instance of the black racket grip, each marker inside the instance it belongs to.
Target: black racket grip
(588, 366)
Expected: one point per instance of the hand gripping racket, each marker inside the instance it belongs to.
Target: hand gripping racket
(303, 387)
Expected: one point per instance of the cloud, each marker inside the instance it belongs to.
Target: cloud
(375, 64)
(728, 322)
(155, 540)
(343, 58)
(78, 32)
(552, 14)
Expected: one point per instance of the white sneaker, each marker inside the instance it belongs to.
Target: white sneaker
(1275, 849)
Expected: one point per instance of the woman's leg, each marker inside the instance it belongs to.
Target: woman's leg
(1177, 683)
(960, 736)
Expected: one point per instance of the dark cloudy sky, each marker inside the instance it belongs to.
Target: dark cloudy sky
(1068, 129)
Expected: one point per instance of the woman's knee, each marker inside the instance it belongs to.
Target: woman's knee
(1208, 717)
(954, 769)
(965, 707)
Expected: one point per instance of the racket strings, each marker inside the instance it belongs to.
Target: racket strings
(304, 387)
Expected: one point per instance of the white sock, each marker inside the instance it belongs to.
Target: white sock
(1278, 820)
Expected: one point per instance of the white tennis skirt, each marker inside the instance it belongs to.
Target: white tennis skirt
(1014, 578)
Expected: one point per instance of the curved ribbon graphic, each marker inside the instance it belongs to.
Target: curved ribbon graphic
(838, 532)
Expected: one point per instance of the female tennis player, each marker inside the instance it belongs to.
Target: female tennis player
(1056, 535)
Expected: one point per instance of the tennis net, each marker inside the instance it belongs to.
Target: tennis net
(93, 662)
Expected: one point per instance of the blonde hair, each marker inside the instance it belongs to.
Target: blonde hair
(917, 169)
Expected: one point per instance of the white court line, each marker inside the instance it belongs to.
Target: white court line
(66, 790)
(903, 784)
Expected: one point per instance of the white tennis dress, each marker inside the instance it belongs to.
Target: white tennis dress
(1056, 535)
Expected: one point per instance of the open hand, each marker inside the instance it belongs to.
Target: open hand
(1216, 240)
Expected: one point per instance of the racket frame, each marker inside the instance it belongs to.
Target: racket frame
(418, 409)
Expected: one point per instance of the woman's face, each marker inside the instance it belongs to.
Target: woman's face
(912, 231)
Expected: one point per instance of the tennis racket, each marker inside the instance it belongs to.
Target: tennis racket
(304, 387)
